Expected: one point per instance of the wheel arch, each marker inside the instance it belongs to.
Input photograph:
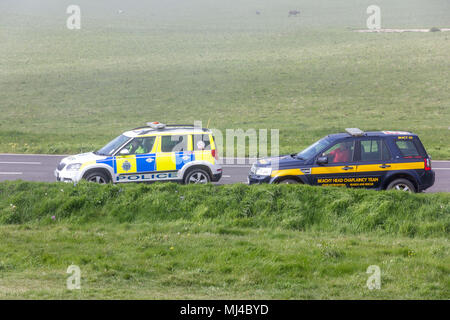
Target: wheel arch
(201, 165)
(400, 175)
(98, 169)
(279, 179)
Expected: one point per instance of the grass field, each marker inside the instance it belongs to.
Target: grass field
(71, 91)
(230, 242)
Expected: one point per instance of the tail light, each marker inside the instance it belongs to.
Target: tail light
(427, 164)
(215, 154)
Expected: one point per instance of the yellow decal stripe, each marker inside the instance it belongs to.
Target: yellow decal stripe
(88, 163)
(198, 155)
(190, 144)
(211, 140)
(208, 157)
(330, 170)
(165, 161)
(287, 172)
(393, 166)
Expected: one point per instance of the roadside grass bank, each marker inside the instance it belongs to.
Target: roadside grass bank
(301, 208)
(166, 241)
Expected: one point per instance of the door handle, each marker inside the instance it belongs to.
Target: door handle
(347, 168)
(383, 166)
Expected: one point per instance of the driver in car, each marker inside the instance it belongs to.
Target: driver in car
(342, 153)
(136, 147)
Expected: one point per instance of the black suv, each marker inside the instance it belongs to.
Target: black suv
(379, 160)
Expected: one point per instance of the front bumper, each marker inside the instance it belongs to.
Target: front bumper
(255, 179)
(67, 176)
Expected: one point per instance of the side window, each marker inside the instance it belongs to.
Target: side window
(340, 152)
(407, 148)
(374, 150)
(201, 142)
(140, 145)
(174, 143)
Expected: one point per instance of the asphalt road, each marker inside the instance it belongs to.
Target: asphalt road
(41, 167)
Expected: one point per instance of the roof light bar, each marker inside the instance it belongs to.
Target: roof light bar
(156, 125)
(355, 132)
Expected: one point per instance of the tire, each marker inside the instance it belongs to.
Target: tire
(97, 177)
(401, 185)
(288, 181)
(197, 176)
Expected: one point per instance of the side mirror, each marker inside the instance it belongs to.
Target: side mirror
(124, 151)
(322, 160)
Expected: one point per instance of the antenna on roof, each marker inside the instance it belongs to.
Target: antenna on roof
(207, 126)
(355, 132)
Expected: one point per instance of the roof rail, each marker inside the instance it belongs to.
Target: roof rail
(171, 126)
(355, 132)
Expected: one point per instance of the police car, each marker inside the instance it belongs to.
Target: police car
(154, 152)
(379, 160)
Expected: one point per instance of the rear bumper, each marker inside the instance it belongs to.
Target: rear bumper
(427, 180)
(216, 177)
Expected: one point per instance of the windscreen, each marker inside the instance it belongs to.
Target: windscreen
(313, 149)
(112, 146)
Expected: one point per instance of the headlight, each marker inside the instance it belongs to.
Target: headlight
(263, 171)
(74, 166)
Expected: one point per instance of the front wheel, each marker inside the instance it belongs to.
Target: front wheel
(97, 177)
(288, 181)
(401, 185)
(197, 176)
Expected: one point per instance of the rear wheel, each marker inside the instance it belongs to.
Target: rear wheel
(97, 177)
(197, 176)
(401, 185)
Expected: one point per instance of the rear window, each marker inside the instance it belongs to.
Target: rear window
(201, 142)
(174, 143)
(408, 148)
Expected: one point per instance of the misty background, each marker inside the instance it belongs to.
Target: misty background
(225, 15)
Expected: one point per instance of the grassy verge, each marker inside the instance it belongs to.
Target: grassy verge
(171, 241)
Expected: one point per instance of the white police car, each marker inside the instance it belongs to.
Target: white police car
(155, 152)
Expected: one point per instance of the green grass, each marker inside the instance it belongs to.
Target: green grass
(67, 92)
(229, 242)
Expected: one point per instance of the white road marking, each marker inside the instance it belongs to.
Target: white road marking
(441, 168)
(34, 155)
(11, 173)
(225, 176)
(236, 166)
(19, 162)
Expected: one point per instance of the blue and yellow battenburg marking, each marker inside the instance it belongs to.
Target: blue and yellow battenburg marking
(169, 161)
(158, 161)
